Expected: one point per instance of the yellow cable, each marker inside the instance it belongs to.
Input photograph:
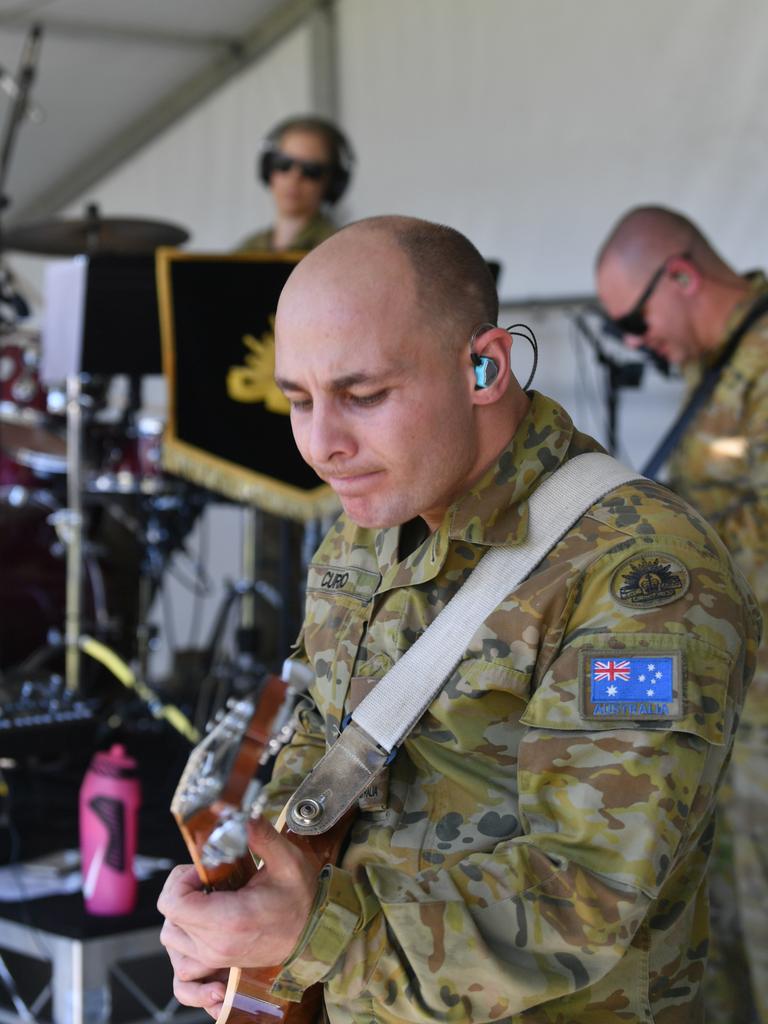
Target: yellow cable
(122, 672)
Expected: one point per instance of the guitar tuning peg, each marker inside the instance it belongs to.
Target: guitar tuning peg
(297, 674)
(227, 842)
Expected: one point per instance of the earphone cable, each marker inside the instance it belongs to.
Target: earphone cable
(530, 337)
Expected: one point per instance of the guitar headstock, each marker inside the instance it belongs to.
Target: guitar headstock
(208, 771)
(221, 782)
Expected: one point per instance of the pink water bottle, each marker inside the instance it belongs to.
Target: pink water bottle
(109, 810)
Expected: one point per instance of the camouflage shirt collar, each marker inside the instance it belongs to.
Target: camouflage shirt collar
(495, 510)
(758, 285)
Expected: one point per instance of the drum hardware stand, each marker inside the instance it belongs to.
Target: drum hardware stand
(145, 632)
(244, 671)
(158, 524)
(68, 523)
(153, 565)
(252, 523)
(242, 674)
(249, 586)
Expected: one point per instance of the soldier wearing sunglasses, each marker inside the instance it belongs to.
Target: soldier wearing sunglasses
(664, 287)
(306, 162)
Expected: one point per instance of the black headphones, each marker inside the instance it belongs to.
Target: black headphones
(342, 154)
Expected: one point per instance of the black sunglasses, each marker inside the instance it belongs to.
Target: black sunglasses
(634, 321)
(314, 170)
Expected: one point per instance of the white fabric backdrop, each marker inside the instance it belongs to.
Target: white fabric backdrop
(532, 124)
(528, 124)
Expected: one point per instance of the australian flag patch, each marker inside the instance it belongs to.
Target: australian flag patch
(637, 686)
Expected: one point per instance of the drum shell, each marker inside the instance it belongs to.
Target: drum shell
(131, 459)
(32, 440)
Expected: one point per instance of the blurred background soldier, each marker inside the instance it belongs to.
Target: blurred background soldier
(306, 162)
(666, 289)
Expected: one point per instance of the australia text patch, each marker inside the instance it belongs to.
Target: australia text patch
(649, 580)
(616, 686)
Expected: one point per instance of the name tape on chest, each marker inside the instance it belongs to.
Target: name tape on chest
(348, 580)
(615, 686)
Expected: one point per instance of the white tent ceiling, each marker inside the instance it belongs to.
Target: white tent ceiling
(110, 75)
(528, 124)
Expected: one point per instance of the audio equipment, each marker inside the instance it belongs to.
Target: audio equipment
(43, 715)
(486, 371)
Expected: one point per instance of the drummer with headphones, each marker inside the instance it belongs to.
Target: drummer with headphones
(306, 162)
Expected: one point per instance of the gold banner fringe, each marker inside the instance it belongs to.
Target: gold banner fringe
(250, 488)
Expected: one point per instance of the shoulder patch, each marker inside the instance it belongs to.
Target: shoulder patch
(649, 580)
(646, 687)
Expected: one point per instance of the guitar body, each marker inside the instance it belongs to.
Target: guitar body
(245, 1002)
(213, 799)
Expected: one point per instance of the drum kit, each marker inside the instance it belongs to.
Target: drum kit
(129, 514)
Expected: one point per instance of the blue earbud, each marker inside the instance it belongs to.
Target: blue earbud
(486, 371)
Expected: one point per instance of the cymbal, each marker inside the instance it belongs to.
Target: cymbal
(71, 237)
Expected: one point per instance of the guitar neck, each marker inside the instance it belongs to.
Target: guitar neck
(212, 804)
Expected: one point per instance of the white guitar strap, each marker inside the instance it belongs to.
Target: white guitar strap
(384, 718)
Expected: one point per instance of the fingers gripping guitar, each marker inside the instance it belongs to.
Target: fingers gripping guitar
(228, 925)
(256, 926)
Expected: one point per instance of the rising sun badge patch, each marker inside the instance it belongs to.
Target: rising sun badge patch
(649, 580)
(616, 686)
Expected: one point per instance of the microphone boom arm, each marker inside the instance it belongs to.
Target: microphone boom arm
(25, 78)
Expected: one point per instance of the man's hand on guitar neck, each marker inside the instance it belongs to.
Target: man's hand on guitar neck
(257, 925)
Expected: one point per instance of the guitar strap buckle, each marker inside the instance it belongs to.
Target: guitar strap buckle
(338, 779)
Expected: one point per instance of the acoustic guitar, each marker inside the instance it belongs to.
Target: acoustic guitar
(220, 788)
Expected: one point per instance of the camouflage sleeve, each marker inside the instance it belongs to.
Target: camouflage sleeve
(743, 526)
(608, 811)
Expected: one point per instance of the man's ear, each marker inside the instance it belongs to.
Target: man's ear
(685, 274)
(489, 365)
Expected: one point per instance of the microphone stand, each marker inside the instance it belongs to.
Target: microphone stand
(12, 124)
(67, 522)
(618, 375)
(26, 77)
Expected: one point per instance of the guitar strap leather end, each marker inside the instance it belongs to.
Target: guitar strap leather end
(339, 778)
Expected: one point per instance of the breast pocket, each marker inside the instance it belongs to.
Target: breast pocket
(338, 600)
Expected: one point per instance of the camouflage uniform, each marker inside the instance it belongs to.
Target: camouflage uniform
(721, 468)
(318, 229)
(539, 856)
